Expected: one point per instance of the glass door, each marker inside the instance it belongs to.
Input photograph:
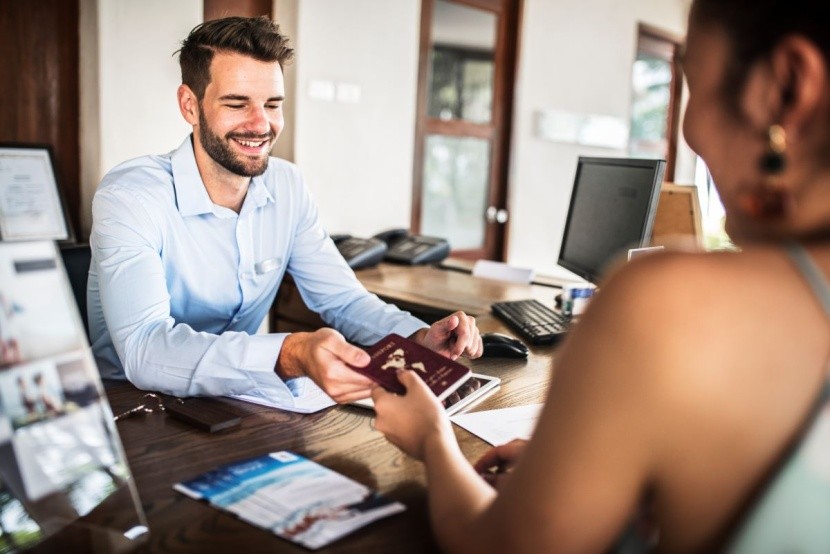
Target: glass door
(465, 99)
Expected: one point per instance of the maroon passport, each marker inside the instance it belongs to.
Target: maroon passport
(394, 352)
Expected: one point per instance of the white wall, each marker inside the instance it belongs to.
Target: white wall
(357, 156)
(129, 78)
(575, 56)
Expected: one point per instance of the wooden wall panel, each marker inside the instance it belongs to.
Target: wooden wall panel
(39, 89)
(217, 9)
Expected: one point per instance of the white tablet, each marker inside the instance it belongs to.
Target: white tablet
(474, 390)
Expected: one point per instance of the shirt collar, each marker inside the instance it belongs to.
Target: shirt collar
(191, 195)
(259, 192)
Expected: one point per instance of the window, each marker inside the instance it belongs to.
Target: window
(462, 84)
(714, 235)
(656, 81)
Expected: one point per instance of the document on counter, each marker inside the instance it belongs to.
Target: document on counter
(502, 425)
(308, 397)
(30, 202)
(292, 497)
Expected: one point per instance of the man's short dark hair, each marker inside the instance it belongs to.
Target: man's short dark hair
(257, 37)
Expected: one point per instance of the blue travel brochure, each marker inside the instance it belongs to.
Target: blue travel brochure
(292, 497)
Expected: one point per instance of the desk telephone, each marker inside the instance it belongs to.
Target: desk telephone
(394, 245)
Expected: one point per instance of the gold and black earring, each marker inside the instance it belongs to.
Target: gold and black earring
(774, 161)
(770, 199)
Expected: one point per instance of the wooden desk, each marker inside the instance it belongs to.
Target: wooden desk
(427, 292)
(162, 451)
(445, 291)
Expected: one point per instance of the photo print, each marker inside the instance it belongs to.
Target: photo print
(31, 393)
(38, 315)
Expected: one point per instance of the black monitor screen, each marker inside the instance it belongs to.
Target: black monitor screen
(612, 210)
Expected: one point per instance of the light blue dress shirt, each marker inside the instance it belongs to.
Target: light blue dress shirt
(178, 286)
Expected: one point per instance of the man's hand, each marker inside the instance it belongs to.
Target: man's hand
(325, 356)
(453, 336)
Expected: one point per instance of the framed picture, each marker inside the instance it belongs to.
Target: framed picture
(31, 204)
(677, 215)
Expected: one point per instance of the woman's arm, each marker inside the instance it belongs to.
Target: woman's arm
(599, 434)
(497, 463)
(416, 423)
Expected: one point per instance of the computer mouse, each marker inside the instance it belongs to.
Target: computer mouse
(497, 345)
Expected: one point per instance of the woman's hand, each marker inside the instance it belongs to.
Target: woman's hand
(412, 421)
(497, 463)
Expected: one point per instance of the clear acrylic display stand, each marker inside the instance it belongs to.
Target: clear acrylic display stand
(64, 480)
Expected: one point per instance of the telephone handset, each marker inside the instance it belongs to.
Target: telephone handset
(391, 236)
(394, 245)
(413, 249)
(358, 252)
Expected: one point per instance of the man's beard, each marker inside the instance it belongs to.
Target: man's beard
(222, 154)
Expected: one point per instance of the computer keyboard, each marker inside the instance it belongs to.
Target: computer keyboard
(533, 320)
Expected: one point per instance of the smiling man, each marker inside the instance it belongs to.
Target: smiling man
(189, 248)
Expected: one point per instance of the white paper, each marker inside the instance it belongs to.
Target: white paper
(311, 398)
(30, 205)
(502, 425)
(488, 269)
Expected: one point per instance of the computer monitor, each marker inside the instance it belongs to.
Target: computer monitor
(611, 210)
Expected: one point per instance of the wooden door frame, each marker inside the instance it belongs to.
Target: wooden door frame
(216, 9)
(508, 13)
(673, 43)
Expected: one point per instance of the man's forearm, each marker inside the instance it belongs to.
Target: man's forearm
(418, 336)
(289, 365)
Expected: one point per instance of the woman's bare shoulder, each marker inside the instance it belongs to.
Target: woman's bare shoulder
(666, 270)
(670, 291)
(667, 317)
(693, 289)
(696, 328)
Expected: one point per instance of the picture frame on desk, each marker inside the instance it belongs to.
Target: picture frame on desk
(678, 215)
(32, 206)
